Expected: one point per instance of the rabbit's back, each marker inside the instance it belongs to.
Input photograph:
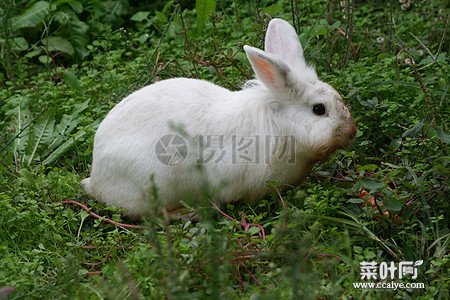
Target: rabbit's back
(171, 100)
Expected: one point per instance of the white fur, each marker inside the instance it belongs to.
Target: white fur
(278, 104)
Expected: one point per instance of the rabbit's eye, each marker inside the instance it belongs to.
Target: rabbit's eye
(319, 109)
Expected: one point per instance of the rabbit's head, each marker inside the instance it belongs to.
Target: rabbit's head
(309, 108)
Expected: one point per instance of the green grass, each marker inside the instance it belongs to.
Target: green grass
(317, 233)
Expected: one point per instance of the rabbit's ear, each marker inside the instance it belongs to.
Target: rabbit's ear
(270, 70)
(282, 41)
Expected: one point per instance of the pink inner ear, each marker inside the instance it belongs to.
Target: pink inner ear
(265, 69)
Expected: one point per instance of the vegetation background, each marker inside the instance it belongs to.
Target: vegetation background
(64, 64)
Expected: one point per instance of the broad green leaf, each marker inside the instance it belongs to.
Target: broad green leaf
(356, 188)
(65, 127)
(72, 80)
(34, 51)
(369, 167)
(443, 136)
(368, 254)
(58, 44)
(64, 147)
(32, 16)
(392, 204)
(167, 6)
(143, 38)
(29, 145)
(204, 8)
(336, 25)
(273, 9)
(27, 179)
(372, 185)
(412, 132)
(441, 58)
(253, 230)
(40, 134)
(353, 92)
(114, 9)
(321, 30)
(391, 165)
(20, 44)
(77, 34)
(77, 6)
(140, 16)
(358, 249)
(21, 119)
(63, 17)
(74, 31)
(45, 59)
(355, 200)
(161, 17)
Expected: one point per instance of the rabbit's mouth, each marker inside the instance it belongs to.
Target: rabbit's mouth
(345, 137)
(341, 140)
(320, 153)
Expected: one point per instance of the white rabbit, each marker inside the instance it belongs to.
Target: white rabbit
(276, 128)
